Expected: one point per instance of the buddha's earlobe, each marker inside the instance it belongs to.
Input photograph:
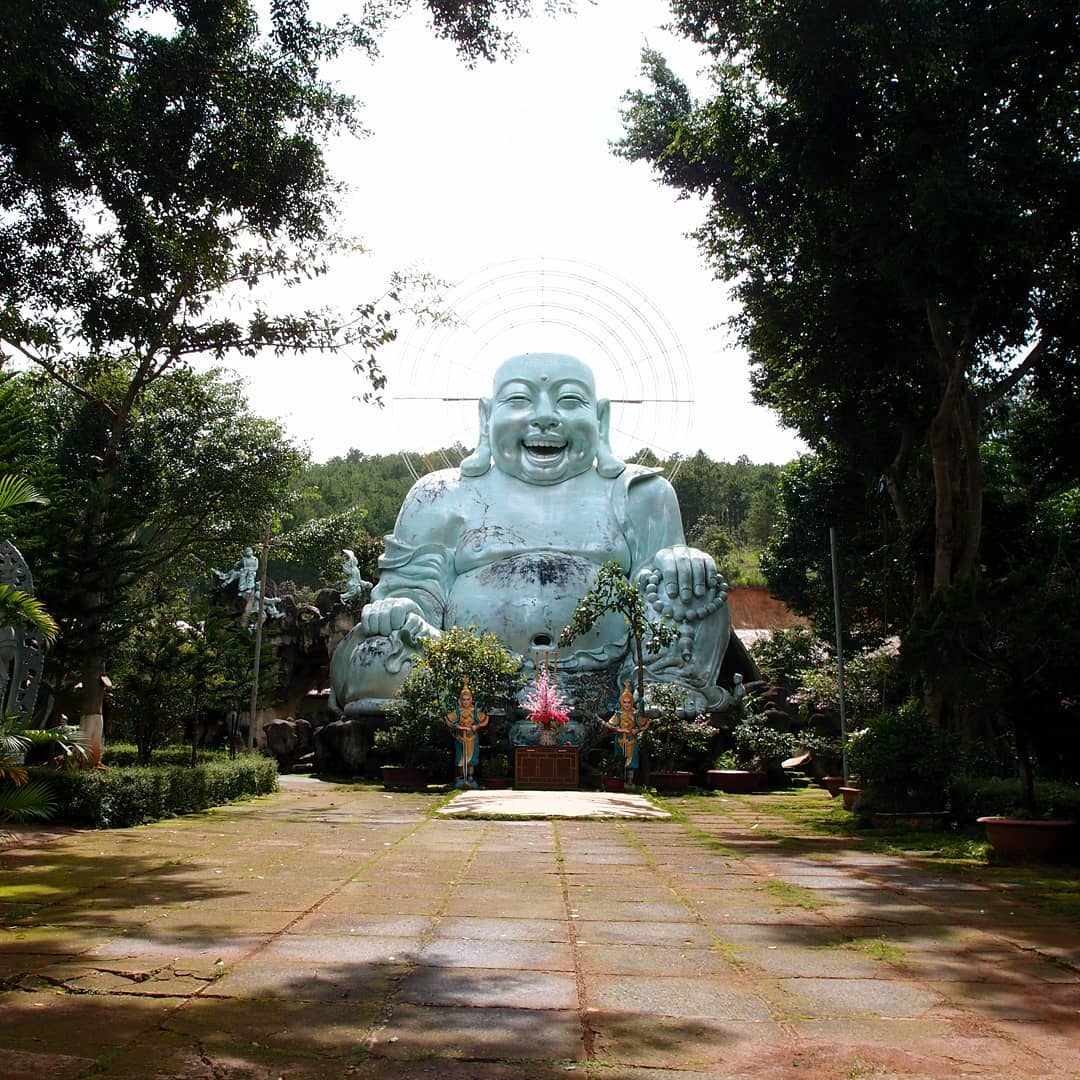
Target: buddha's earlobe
(607, 464)
(479, 461)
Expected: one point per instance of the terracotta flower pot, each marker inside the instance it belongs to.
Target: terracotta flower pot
(405, 777)
(918, 820)
(1021, 839)
(671, 781)
(833, 784)
(734, 781)
(851, 797)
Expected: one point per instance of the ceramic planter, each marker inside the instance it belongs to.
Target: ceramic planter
(671, 781)
(1020, 839)
(405, 777)
(833, 784)
(851, 797)
(920, 820)
(613, 783)
(734, 781)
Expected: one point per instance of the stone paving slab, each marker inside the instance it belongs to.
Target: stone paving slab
(334, 931)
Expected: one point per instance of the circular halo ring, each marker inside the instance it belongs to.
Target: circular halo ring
(549, 305)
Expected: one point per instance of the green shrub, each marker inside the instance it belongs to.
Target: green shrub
(417, 735)
(973, 797)
(758, 745)
(118, 754)
(673, 740)
(116, 797)
(903, 761)
(785, 654)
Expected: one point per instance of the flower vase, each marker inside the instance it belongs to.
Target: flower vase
(547, 735)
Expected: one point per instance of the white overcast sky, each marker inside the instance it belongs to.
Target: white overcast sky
(500, 181)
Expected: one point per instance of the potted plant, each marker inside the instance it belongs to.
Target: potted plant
(613, 767)
(416, 747)
(496, 770)
(757, 749)
(728, 775)
(903, 761)
(673, 737)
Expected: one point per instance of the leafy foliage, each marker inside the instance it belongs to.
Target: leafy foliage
(673, 738)
(122, 796)
(903, 761)
(785, 654)
(893, 194)
(611, 590)
(758, 745)
(872, 683)
(155, 682)
(195, 480)
(417, 732)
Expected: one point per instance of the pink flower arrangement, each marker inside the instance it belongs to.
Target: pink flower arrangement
(544, 704)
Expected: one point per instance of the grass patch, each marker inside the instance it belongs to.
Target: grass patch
(873, 948)
(1050, 888)
(794, 895)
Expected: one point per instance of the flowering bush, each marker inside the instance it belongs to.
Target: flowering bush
(872, 682)
(671, 736)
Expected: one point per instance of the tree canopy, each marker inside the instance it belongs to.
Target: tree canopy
(892, 188)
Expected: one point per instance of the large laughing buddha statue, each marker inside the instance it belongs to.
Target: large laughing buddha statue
(512, 540)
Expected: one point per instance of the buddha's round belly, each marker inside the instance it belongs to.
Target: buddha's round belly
(526, 600)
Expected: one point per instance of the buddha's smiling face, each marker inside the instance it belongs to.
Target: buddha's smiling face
(544, 422)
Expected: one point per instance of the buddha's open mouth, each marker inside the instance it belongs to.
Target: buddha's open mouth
(544, 449)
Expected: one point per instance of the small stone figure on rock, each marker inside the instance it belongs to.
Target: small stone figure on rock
(628, 727)
(465, 721)
(273, 605)
(355, 585)
(243, 572)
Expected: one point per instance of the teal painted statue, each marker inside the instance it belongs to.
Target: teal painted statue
(465, 721)
(512, 540)
(628, 726)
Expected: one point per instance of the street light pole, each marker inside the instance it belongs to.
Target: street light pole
(260, 619)
(839, 649)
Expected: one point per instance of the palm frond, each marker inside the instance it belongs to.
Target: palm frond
(16, 602)
(16, 491)
(31, 802)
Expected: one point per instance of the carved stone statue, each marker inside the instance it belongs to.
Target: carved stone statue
(243, 572)
(512, 540)
(628, 727)
(22, 652)
(354, 583)
(465, 721)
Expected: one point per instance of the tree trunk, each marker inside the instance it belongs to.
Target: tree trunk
(91, 703)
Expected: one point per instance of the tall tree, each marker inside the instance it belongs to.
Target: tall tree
(197, 477)
(893, 188)
(158, 158)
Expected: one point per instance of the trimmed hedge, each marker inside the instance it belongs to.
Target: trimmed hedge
(119, 796)
(128, 754)
(973, 797)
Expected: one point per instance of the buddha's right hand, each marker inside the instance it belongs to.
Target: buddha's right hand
(396, 614)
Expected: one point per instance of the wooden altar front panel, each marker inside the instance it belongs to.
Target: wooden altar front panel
(546, 768)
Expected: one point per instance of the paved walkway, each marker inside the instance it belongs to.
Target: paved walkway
(327, 932)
